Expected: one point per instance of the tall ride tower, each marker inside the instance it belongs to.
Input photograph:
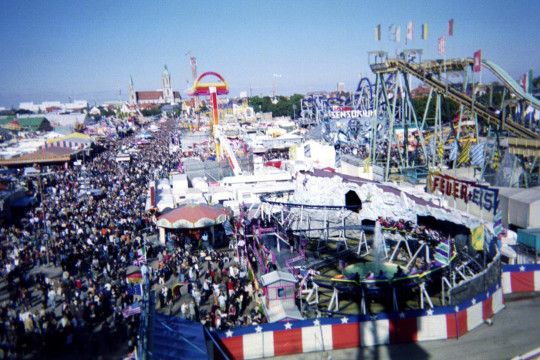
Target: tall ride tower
(168, 94)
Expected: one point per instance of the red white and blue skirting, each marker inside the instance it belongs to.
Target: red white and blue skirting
(520, 278)
(293, 337)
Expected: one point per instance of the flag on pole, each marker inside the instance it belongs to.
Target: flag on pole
(424, 31)
(135, 290)
(477, 154)
(378, 32)
(442, 253)
(465, 154)
(451, 27)
(131, 310)
(135, 278)
(454, 151)
(442, 45)
(525, 82)
(398, 33)
(410, 30)
(477, 238)
(440, 150)
(495, 160)
(477, 65)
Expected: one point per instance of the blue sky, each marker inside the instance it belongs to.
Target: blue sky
(88, 49)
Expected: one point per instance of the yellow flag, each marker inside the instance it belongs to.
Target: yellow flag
(477, 238)
(495, 160)
(440, 150)
(292, 152)
(367, 164)
(465, 154)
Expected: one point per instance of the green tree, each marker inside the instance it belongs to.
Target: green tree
(283, 106)
(152, 111)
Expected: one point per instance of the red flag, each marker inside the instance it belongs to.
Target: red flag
(477, 61)
(451, 27)
(442, 45)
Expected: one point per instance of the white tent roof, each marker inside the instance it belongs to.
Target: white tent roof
(527, 196)
(275, 276)
(281, 311)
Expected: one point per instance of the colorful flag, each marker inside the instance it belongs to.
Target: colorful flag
(451, 27)
(495, 160)
(442, 253)
(497, 223)
(135, 278)
(141, 257)
(525, 82)
(442, 45)
(378, 32)
(440, 150)
(477, 238)
(465, 154)
(424, 31)
(477, 65)
(477, 154)
(131, 310)
(410, 30)
(135, 290)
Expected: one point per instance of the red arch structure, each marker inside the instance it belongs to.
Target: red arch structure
(201, 88)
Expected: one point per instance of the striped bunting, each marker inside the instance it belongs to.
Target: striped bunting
(497, 223)
(465, 154)
(477, 155)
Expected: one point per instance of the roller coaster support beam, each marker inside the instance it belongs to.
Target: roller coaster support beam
(424, 296)
(374, 124)
(415, 117)
(455, 95)
(334, 301)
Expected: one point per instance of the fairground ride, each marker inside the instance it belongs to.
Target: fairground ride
(513, 117)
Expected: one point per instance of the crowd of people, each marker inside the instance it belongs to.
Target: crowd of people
(210, 286)
(64, 262)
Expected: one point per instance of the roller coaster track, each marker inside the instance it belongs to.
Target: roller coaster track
(424, 73)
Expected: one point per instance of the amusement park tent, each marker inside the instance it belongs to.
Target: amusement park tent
(524, 208)
(193, 217)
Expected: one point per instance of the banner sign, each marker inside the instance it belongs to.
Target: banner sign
(346, 114)
(484, 197)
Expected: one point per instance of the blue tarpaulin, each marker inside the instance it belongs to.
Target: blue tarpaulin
(176, 338)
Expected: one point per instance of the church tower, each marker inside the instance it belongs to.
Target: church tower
(131, 92)
(168, 95)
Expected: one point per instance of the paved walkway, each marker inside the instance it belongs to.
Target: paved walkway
(515, 331)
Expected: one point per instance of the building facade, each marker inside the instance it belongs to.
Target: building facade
(164, 96)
